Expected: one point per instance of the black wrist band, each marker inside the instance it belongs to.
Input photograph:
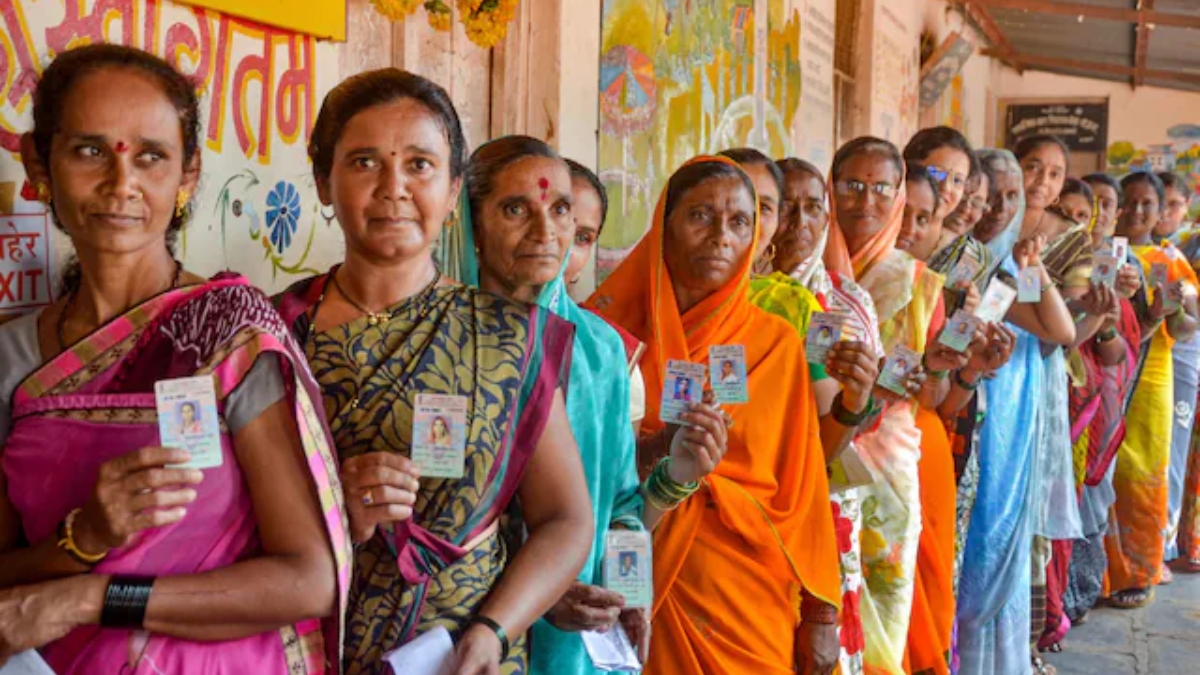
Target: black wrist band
(125, 602)
(963, 384)
(498, 630)
(845, 417)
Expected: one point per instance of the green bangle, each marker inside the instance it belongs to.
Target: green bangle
(845, 417)
(1106, 335)
(664, 493)
(963, 384)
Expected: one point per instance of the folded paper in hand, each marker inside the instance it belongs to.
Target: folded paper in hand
(26, 663)
(430, 654)
(611, 650)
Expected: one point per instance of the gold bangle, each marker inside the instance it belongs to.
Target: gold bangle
(66, 541)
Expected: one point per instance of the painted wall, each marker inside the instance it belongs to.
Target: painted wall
(256, 210)
(679, 79)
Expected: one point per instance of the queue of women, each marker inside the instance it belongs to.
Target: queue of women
(1013, 481)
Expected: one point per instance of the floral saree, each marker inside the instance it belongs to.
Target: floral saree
(96, 401)
(1136, 537)
(507, 360)
(787, 298)
(731, 561)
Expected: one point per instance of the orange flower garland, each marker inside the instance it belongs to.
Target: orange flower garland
(484, 21)
(396, 10)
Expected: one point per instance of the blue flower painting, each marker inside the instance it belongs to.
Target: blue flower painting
(283, 214)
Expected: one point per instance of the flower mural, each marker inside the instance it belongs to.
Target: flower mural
(283, 214)
(274, 220)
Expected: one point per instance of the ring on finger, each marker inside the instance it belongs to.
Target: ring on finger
(367, 500)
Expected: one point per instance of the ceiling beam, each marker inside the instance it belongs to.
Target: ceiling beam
(1076, 9)
(1143, 43)
(1096, 68)
(1003, 48)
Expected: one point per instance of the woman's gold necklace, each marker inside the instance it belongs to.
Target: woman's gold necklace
(373, 318)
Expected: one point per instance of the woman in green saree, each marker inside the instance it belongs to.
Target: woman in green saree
(385, 328)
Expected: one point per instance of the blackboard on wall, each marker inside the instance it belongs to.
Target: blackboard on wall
(1083, 126)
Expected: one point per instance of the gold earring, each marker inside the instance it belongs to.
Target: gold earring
(181, 202)
(43, 193)
(769, 254)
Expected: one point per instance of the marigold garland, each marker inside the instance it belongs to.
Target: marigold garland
(439, 15)
(396, 10)
(486, 21)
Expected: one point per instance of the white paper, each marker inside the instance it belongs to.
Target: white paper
(26, 663)
(430, 654)
(611, 651)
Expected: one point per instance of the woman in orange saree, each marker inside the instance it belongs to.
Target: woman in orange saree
(1135, 541)
(731, 563)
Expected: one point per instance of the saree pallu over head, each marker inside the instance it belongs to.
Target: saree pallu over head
(906, 297)
(597, 403)
(96, 401)
(507, 360)
(729, 562)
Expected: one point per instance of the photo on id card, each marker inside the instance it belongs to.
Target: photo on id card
(728, 365)
(1104, 270)
(959, 332)
(900, 363)
(824, 331)
(188, 419)
(965, 270)
(1029, 285)
(627, 567)
(998, 297)
(683, 386)
(439, 435)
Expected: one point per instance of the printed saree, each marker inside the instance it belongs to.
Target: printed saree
(1136, 537)
(96, 401)
(1097, 427)
(597, 402)
(731, 561)
(507, 360)
(906, 297)
(781, 298)
(1188, 540)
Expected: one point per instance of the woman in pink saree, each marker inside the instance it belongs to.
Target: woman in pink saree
(117, 555)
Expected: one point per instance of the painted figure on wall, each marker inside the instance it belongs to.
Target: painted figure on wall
(682, 77)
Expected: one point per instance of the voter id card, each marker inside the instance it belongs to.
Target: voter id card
(996, 300)
(188, 419)
(683, 386)
(439, 435)
(627, 567)
(727, 363)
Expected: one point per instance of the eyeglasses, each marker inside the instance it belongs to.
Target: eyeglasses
(941, 175)
(855, 188)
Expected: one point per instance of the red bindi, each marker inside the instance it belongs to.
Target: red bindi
(544, 185)
(121, 146)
